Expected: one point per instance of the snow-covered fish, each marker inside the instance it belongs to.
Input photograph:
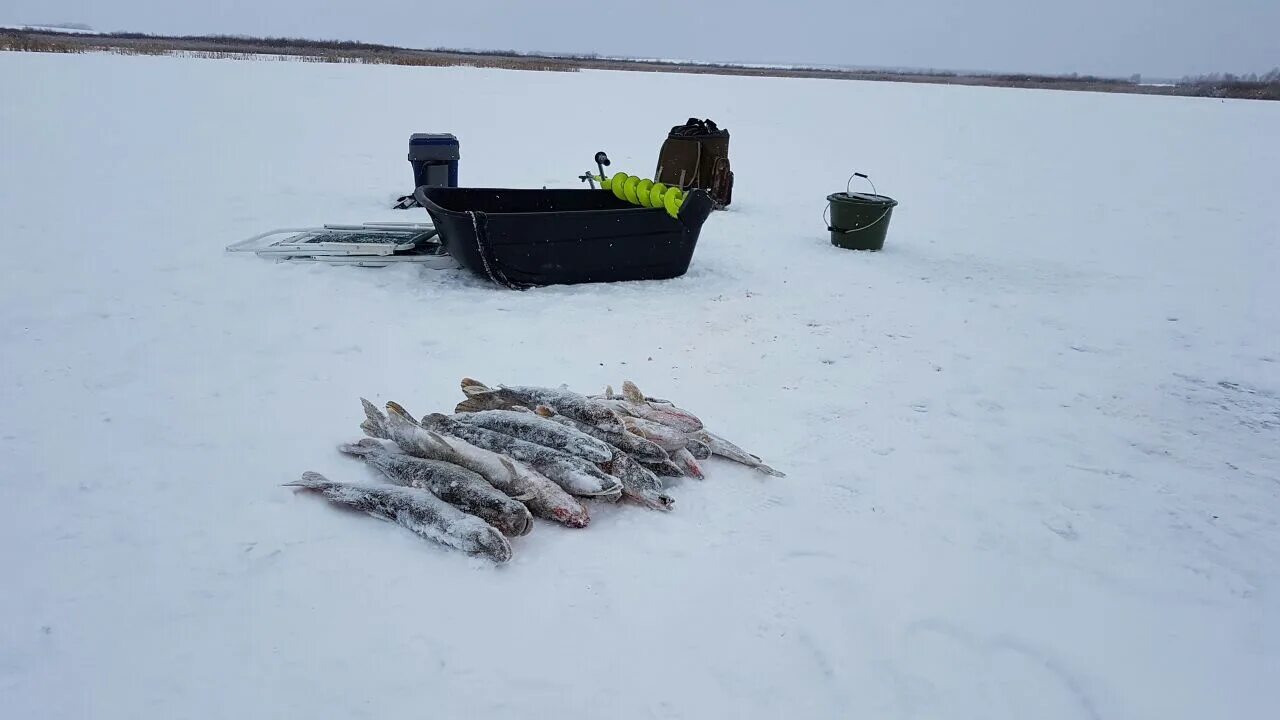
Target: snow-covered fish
(630, 443)
(666, 414)
(665, 437)
(498, 471)
(534, 428)
(418, 510)
(724, 448)
(575, 475)
(544, 498)
(638, 483)
(666, 468)
(696, 447)
(451, 483)
(687, 463)
(570, 404)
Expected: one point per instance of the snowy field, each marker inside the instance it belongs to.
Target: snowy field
(1032, 446)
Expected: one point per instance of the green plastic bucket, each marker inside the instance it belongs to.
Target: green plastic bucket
(859, 221)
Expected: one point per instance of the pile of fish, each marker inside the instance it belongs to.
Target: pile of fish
(472, 479)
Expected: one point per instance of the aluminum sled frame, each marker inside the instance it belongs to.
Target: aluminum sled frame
(366, 245)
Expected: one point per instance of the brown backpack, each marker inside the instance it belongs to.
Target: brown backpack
(696, 155)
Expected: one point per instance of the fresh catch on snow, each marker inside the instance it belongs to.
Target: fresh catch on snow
(575, 475)
(630, 443)
(544, 498)
(451, 483)
(665, 437)
(688, 463)
(534, 428)
(668, 414)
(666, 468)
(638, 483)
(398, 427)
(633, 403)
(418, 510)
(697, 448)
(724, 448)
(570, 404)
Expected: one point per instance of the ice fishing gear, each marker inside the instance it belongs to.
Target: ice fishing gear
(369, 245)
(696, 155)
(636, 190)
(434, 159)
(859, 221)
(524, 237)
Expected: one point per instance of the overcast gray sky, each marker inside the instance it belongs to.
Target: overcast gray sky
(1167, 38)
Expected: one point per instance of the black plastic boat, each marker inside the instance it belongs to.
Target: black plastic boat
(522, 238)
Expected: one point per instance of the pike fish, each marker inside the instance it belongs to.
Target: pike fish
(664, 436)
(665, 413)
(570, 404)
(726, 449)
(534, 428)
(666, 468)
(451, 483)
(638, 483)
(629, 443)
(417, 510)
(414, 440)
(687, 463)
(544, 498)
(575, 475)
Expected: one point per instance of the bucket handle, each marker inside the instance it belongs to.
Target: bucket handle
(827, 209)
(864, 176)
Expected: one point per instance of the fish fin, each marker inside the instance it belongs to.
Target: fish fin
(396, 408)
(608, 392)
(545, 411)
(632, 393)
(520, 408)
(375, 424)
(515, 473)
(367, 446)
(474, 387)
(442, 447)
(471, 405)
(309, 480)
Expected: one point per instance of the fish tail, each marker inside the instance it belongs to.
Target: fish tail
(471, 405)
(310, 480)
(770, 471)
(365, 447)
(482, 397)
(375, 423)
(395, 408)
(474, 387)
(632, 393)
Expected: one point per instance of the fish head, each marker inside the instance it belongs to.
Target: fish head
(491, 544)
(519, 521)
(604, 417)
(571, 516)
(654, 500)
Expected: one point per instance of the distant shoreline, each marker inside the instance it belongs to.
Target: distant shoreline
(72, 41)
